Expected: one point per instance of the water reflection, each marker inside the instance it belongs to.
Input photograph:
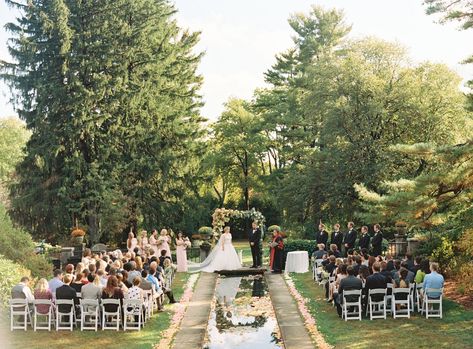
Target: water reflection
(242, 315)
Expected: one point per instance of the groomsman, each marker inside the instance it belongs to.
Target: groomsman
(322, 236)
(350, 237)
(377, 241)
(364, 239)
(337, 237)
(254, 238)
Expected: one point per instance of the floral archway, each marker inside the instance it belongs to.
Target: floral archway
(222, 216)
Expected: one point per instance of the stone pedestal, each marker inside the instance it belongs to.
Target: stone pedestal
(412, 245)
(203, 254)
(66, 253)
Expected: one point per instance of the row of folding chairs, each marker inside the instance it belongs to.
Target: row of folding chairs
(88, 315)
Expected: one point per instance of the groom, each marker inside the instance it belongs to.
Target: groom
(254, 237)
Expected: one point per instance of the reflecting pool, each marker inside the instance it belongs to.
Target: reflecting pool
(242, 316)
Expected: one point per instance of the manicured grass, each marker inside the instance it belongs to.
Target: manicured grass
(453, 331)
(244, 246)
(146, 338)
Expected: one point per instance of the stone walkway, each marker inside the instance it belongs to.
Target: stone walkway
(293, 331)
(194, 324)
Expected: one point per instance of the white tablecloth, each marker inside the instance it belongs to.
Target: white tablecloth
(297, 262)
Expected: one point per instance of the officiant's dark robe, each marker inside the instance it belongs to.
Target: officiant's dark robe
(277, 252)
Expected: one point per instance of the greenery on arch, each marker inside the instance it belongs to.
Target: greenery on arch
(222, 216)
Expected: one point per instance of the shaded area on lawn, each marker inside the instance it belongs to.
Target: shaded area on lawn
(453, 331)
(144, 339)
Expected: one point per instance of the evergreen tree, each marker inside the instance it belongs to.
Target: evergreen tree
(109, 91)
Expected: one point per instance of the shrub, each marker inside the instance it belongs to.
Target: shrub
(299, 245)
(445, 255)
(18, 246)
(10, 275)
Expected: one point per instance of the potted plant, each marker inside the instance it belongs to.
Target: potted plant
(77, 236)
(205, 233)
(196, 240)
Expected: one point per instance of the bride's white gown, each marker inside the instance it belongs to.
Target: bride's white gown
(225, 258)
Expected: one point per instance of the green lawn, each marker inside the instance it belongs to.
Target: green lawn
(454, 331)
(146, 338)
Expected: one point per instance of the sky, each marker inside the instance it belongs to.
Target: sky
(241, 37)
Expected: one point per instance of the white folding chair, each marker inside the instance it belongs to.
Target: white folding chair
(19, 308)
(60, 315)
(412, 290)
(377, 309)
(49, 315)
(419, 301)
(148, 302)
(389, 298)
(89, 309)
(113, 316)
(401, 298)
(132, 308)
(429, 300)
(356, 314)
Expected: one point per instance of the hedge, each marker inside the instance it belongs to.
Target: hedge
(10, 275)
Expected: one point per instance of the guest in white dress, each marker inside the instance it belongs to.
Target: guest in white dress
(132, 242)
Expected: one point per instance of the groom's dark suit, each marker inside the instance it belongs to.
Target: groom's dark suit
(254, 237)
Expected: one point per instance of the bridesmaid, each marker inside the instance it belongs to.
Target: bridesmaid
(132, 242)
(165, 240)
(144, 241)
(153, 241)
(181, 255)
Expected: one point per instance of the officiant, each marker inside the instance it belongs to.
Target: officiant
(277, 252)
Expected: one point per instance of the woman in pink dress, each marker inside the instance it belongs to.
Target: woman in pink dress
(153, 242)
(181, 245)
(165, 240)
(144, 243)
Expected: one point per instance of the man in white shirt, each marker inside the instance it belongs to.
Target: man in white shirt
(56, 282)
(22, 290)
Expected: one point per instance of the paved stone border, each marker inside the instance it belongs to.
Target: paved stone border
(293, 331)
(194, 324)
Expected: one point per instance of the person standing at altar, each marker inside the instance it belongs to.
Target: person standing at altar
(144, 243)
(337, 237)
(153, 242)
(254, 237)
(350, 237)
(377, 241)
(131, 242)
(277, 252)
(322, 236)
(165, 241)
(181, 245)
(364, 242)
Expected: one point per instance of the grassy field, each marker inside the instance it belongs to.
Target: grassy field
(146, 338)
(453, 331)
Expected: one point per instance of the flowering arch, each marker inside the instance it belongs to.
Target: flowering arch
(222, 216)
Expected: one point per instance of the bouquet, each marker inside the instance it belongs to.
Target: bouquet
(187, 242)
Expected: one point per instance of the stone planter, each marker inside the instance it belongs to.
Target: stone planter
(412, 245)
(77, 240)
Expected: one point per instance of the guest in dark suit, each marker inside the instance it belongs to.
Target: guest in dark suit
(377, 241)
(337, 236)
(350, 237)
(254, 238)
(351, 282)
(322, 236)
(364, 242)
(374, 281)
(66, 292)
(386, 272)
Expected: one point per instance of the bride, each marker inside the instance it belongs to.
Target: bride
(222, 257)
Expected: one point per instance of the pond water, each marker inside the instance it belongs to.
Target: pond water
(242, 316)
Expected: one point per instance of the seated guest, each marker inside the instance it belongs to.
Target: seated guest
(327, 259)
(139, 263)
(93, 289)
(363, 273)
(341, 274)
(320, 253)
(395, 271)
(335, 250)
(357, 265)
(56, 281)
(423, 271)
(163, 257)
(42, 292)
(409, 262)
(386, 273)
(351, 282)
(125, 279)
(331, 266)
(66, 292)
(151, 278)
(132, 273)
(417, 262)
(402, 281)
(433, 280)
(350, 252)
(135, 292)
(121, 284)
(103, 277)
(85, 276)
(389, 260)
(371, 261)
(87, 257)
(144, 283)
(69, 269)
(92, 268)
(410, 275)
(169, 270)
(77, 283)
(112, 291)
(22, 290)
(376, 280)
